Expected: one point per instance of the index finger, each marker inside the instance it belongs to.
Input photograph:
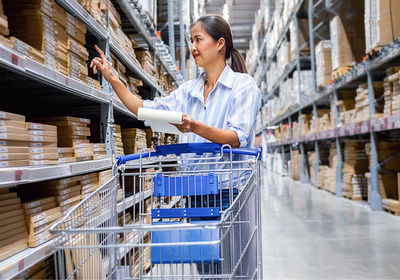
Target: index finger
(100, 52)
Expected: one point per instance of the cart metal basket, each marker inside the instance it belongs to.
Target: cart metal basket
(186, 211)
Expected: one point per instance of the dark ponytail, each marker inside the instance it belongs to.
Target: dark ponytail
(218, 27)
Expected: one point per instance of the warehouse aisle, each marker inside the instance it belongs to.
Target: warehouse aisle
(310, 234)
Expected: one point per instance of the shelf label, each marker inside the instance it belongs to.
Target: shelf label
(21, 264)
(14, 59)
(18, 175)
(365, 127)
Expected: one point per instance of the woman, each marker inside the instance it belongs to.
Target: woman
(221, 104)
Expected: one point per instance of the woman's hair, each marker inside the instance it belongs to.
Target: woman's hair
(218, 27)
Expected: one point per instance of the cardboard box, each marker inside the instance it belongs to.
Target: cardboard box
(11, 214)
(9, 208)
(38, 202)
(14, 137)
(65, 150)
(47, 214)
(42, 133)
(12, 157)
(14, 150)
(43, 145)
(13, 248)
(12, 143)
(71, 155)
(11, 116)
(41, 239)
(12, 123)
(39, 126)
(12, 226)
(14, 163)
(71, 200)
(66, 197)
(45, 207)
(9, 201)
(13, 232)
(48, 219)
(34, 138)
(13, 129)
(67, 160)
(44, 156)
(43, 150)
(65, 208)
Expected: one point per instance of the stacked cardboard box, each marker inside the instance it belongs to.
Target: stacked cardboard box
(73, 133)
(66, 192)
(144, 139)
(362, 101)
(382, 23)
(99, 151)
(116, 31)
(13, 231)
(323, 61)
(392, 91)
(296, 163)
(355, 165)
(304, 123)
(330, 175)
(147, 62)
(40, 214)
(94, 83)
(14, 145)
(283, 57)
(303, 34)
(43, 138)
(117, 140)
(48, 36)
(66, 155)
(129, 140)
(347, 34)
(164, 81)
(3, 22)
(77, 53)
(90, 183)
(387, 182)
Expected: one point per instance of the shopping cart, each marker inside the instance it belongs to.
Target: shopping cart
(188, 211)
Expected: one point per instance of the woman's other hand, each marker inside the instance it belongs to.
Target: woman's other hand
(101, 63)
(189, 124)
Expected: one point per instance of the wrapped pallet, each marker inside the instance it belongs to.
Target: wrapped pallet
(382, 23)
(303, 38)
(323, 61)
(347, 36)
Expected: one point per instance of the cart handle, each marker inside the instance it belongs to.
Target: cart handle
(185, 148)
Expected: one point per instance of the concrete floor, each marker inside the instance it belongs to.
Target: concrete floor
(311, 234)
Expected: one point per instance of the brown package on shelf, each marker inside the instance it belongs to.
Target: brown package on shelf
(323, 61)
(391, 86)
(129, 140)
(355, 165)
(347, 36)
(42, 133)
(13, 140)
(362, 101)
(66, 155)
(3, 22)
(13, 231)
(303, 34)
(382, 23)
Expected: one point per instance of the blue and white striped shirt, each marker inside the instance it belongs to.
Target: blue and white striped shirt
(233, 104)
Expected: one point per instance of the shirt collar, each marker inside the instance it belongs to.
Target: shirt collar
(226, 78)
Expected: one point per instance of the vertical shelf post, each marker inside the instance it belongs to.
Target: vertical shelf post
(182, 40)
(171, 35)
(375, 198)
(339, 175)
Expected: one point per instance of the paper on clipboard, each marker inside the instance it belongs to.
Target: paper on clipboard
(161, 120)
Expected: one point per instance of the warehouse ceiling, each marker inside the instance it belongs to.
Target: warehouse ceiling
(241, 18)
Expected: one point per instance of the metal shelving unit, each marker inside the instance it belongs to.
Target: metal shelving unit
(362, 72)
(24, 72)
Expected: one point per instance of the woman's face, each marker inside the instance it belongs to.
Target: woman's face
(204, 49)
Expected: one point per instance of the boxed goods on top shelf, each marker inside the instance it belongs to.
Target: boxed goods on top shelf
(347, 36)
(13, 230)
(303, 38)
(323, 62)
(382, 23)
(3, 22)
(355, 165)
